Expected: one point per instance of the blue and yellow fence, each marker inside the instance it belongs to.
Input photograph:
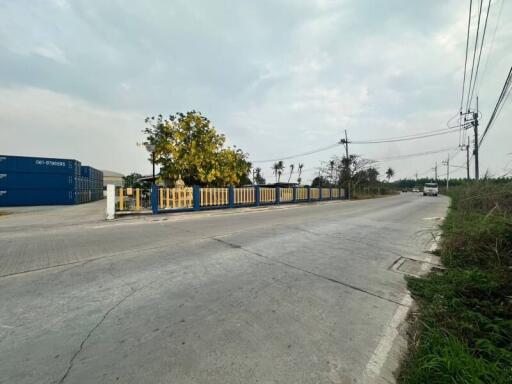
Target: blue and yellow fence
(244, 196)
(132, 199)
(162, 199)
(214, 197)
(173, 198)
(267, 195)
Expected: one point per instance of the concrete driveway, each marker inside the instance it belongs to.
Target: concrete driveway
(302, 294)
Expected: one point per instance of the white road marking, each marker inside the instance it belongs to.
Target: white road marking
(374, 366)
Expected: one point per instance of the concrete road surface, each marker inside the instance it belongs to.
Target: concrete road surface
(299, 294)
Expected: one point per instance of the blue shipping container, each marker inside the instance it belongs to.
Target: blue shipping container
(27, 180)
(91, 173)
(85, 171)
(38, 164)
(25, 197)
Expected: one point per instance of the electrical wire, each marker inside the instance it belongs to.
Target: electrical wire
(474, 53)
(420, 135)
(443, 131)
(492, 43)
(466, 59)
(503, 103)
(480, 53)
(299, 154)
(415, 154)
(505, 92)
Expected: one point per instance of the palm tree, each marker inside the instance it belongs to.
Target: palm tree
(390, 173)
(292, 167)
(277, 169)
(299, 179)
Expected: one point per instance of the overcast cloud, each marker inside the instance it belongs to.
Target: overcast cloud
(77, 78)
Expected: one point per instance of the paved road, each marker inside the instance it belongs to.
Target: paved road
(294, 295)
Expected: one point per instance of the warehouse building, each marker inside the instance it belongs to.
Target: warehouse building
(111, 177)
(26, 181)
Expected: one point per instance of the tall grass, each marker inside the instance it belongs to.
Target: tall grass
(463, 333)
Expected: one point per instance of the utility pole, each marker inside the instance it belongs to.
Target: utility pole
(435, 170)
(475, 152)
(345, 141)
(447, 163)
(467, 158)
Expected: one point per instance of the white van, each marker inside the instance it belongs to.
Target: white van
(430, 189)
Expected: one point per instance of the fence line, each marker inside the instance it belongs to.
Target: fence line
(172, 198)
(161, 199)
(245, 195)
(131, 199)
(285, 195)
(267, 195)
(211, 197)
(302, 193)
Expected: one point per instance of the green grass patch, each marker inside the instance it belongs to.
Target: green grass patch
(463, 332)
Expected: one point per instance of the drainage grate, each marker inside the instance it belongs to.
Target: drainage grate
(411, 267)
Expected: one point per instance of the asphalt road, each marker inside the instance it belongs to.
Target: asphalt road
(300, 294)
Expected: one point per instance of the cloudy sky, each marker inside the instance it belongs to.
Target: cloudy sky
(281, 77)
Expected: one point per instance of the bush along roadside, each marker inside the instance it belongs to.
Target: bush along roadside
(462, 332)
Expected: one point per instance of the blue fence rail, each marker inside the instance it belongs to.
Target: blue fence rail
(197, 198)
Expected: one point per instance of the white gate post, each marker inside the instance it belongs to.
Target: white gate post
(111, 202)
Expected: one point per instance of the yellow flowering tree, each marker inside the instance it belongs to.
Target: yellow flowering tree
(188, 145)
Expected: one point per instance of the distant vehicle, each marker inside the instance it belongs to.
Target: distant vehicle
(415, 190)
(430, 189)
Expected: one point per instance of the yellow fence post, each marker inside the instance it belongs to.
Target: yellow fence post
(121, 199)
(137, 199)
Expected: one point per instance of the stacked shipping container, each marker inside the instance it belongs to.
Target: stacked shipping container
(92, 184)
(47, 181)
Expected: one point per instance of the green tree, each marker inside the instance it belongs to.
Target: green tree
(332, 163)
(258, 178)
(299, 178)
(390, 173)
(188, 145)
(277, 169)
(320, 181)
(292, 167)
(132, 180)
(372, 174)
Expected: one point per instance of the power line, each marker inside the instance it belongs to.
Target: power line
(503, 103)
(466, 59)
(411, 137)
(420, 135)
(492, 42)
(474, 52)
(480, 53)
(299, 154)
(505, 92)
(416, 154)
